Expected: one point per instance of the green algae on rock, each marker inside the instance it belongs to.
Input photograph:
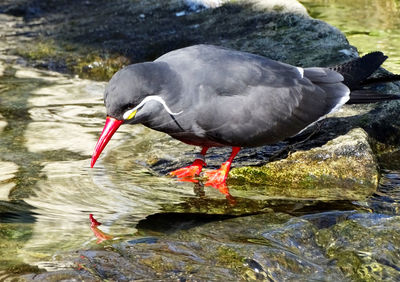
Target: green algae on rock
(344, 168)
(12, 238)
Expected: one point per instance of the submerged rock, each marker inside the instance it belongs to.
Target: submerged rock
(272, 246)
(366, 247)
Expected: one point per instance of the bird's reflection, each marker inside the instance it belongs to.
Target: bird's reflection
(100, 235)
(199, 191)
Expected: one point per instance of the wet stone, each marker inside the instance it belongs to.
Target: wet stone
(84, 44)
(343, 168)
(275, 247)
(272, 246)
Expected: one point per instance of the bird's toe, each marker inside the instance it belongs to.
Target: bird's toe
(189, 171)
(215, 178)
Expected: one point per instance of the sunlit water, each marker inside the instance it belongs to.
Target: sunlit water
(369, 25)
(49, 124)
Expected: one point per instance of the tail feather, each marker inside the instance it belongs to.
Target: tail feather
(356, 74)
(358, 70)
(381, 79)
(365, 96)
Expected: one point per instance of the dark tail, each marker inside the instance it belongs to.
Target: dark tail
(356, 74)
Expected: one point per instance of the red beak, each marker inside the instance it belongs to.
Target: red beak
(109, 129)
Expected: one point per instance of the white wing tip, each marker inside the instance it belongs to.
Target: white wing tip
(301, 71)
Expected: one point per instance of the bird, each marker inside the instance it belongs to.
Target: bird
(212, 96)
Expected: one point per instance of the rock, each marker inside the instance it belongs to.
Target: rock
(383, 125)
(332, 171)
(84, 43)
(62, 275)
(288, 6)
(12, 237)
(195, 4)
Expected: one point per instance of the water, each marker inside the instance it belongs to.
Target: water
(50, 122)
(368, 24)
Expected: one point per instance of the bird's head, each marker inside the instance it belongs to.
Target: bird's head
(135, 94)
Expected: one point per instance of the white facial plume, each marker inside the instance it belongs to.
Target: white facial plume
(127, 114)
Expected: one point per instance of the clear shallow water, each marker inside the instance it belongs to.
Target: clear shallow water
(49, 124)
(49, 128)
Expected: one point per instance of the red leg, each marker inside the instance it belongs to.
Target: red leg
(217, 178)
(194, 169)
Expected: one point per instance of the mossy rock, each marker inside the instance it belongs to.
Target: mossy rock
(344, 168)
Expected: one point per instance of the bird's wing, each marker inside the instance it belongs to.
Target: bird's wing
(242, 99)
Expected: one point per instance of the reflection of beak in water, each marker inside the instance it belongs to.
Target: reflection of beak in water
(199, 188)
(101, 236)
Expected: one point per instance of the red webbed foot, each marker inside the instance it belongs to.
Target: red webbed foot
(189, 171)
(217, 177)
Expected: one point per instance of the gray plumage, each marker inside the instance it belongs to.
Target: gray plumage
(227, 97)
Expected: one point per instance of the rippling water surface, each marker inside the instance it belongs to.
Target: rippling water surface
(50, 123)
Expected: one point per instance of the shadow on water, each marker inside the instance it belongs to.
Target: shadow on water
(170, 222)
(16, 211)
